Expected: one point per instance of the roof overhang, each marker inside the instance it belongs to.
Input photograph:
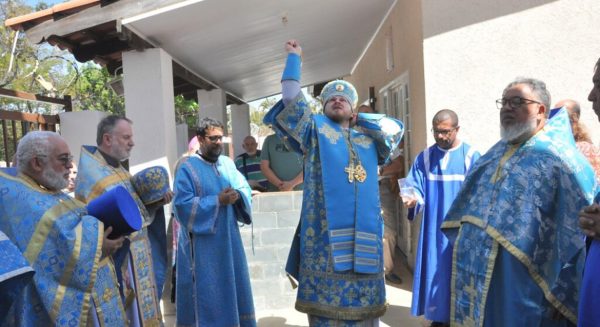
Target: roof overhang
(237, 45)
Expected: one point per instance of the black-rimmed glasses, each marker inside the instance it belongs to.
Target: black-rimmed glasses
(514, 102)
(214, 138)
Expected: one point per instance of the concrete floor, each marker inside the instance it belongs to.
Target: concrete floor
(398, 313)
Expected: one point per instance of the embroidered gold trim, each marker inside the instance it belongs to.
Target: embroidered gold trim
(341, 313)
(68, 273)
(331, 134)
(521, 256)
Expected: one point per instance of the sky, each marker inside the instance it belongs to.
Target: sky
(33, 3)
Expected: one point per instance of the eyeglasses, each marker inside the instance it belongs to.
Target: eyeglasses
(444, 132)
(514, 102)
(64, 159)
(214, 138)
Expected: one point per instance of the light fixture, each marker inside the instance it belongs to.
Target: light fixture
(116, 83)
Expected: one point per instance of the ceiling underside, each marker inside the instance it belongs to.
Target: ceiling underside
(239, 44)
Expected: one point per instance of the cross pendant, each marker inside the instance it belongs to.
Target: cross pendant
(350, 171)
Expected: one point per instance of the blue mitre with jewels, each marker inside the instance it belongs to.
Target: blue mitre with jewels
(339, 88)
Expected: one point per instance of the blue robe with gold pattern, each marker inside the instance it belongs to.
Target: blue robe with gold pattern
(213, 284)
(15, 274)
(518, 250)
(95, 177)
(63, 244)
(336, 255)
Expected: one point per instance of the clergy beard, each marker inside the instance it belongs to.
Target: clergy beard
(212, 153)
(118, 152)
(515, 131)
(53, 180)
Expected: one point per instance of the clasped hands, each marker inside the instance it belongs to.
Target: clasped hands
(228, 196)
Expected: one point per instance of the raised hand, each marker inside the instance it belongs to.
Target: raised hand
(293, 46)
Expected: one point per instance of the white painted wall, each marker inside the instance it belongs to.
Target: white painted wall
(473, 49)
(240, 126)
(181, 132)
(149, 103)
(79, 128)
(213, 104)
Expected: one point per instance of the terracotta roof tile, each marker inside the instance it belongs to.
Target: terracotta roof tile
(38, 17)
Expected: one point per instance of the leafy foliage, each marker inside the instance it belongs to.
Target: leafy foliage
(186, 111)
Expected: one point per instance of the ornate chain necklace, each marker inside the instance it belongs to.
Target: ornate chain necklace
(355, 169)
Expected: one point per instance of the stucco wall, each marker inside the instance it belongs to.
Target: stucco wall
(474, 48)
(404, 23)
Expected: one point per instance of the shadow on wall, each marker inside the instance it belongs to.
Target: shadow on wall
(440, 16)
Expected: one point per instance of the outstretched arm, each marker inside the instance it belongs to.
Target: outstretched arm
(290, 81)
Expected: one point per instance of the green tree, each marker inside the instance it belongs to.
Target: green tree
(186, 111)
(91, 92)
(40, 69)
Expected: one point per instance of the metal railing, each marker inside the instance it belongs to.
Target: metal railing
(15, 124)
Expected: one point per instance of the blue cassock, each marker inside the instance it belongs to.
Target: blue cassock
(589, 315)
(518, 250)
(437, 176)
(213, 285)
(336, 255)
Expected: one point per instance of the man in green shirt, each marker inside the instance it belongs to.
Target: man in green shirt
(282, 167)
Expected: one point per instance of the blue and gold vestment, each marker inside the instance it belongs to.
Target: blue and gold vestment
(15, 274)
(63, 245)
(337, 255)
(518, 250)
(95, 177)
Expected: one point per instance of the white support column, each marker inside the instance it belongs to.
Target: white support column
(213, 104)
(79, 128)
(240, 125)
(150, 104)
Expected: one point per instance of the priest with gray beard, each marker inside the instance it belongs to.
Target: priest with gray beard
(518, 253)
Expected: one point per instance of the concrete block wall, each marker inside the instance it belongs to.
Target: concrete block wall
(275, 217)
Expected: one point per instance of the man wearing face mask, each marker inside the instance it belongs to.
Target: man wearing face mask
(211, 197)
(436, 177)
(337, 253)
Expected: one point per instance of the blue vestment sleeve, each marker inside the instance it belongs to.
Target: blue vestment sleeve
(292, 68)
(386, 132)
(198, 214)
(293, 123)
(242, 207)
(416, 177)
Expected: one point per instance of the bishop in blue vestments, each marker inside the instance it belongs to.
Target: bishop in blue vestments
(211, 198)
(336, 256)
(436, 177)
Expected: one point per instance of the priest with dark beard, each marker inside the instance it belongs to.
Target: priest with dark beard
(211, 197)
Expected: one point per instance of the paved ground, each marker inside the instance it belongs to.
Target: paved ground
(398, 313)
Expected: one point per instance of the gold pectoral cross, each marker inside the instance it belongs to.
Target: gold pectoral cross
(357, 172)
